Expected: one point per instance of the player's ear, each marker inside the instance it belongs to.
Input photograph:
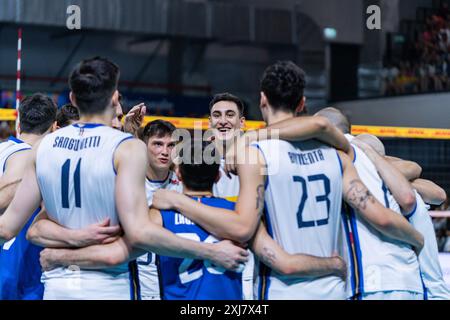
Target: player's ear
(18, 128)
(301, 106)
(177, 172)
(54, 127)
(115, 99)
(72, 98)
(263, 100)
(242, 122)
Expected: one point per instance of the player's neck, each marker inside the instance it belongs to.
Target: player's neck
(29, 138)
(104, 118)
(192, 193)
(157, 175)
(273, 118)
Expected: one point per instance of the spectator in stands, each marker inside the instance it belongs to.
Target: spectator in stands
(425, 64)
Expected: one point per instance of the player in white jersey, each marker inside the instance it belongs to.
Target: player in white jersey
(277, 106)
(435, 287)
(19, 260)
(94, 189)
(157, 135)
(380, 268)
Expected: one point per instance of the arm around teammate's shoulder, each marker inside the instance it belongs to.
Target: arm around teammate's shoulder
(386, 221)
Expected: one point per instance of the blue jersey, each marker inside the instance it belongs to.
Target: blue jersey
(187, 279)
(20, 271)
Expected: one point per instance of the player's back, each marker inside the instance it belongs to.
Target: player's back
(381, 264)
(303, 201)
(432, 275)
(187, 279)
(76, 176)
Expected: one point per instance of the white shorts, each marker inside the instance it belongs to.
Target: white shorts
(393, 295)
(83, 289)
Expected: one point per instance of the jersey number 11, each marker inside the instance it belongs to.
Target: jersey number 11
(65, 173)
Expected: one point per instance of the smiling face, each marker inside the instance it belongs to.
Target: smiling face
(159, 152)
(225, 119)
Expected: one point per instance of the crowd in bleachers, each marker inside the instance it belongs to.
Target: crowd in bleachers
(425, 65)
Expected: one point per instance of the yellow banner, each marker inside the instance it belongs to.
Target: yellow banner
(383, 132)
(8, 114)
(401, 132)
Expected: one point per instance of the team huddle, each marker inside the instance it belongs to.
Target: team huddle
(98, 208)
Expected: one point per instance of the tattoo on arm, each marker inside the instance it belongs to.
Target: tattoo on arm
(259, 197)
(268, 257)
(358, 195)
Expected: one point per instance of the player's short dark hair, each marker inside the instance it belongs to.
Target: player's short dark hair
(283, 83)
(200, 175)
(93, 83)
(158, 128)
(228, 97)
(66, 114)
(37, 113)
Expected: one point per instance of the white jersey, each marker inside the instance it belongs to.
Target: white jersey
(148, 271)
(377, 263)
(7, 149)
(228, 188)
(76, 177)
(303, 202)
(432, 275)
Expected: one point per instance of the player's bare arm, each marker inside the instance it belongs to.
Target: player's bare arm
(294, 265)
(26, 200)
(386, 221)
(294, 129)
(48, 234)
(95, 256)
(411, 170)
(15, 167)
(430, 192)
(145, 234)
(238, 225)
(395, 181)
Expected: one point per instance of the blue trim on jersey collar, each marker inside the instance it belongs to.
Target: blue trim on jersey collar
(16, 140)
(88, 125)
(409, 216)
(159, 181)
(354, 152)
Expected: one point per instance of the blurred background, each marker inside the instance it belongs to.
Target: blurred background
(175, 54)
